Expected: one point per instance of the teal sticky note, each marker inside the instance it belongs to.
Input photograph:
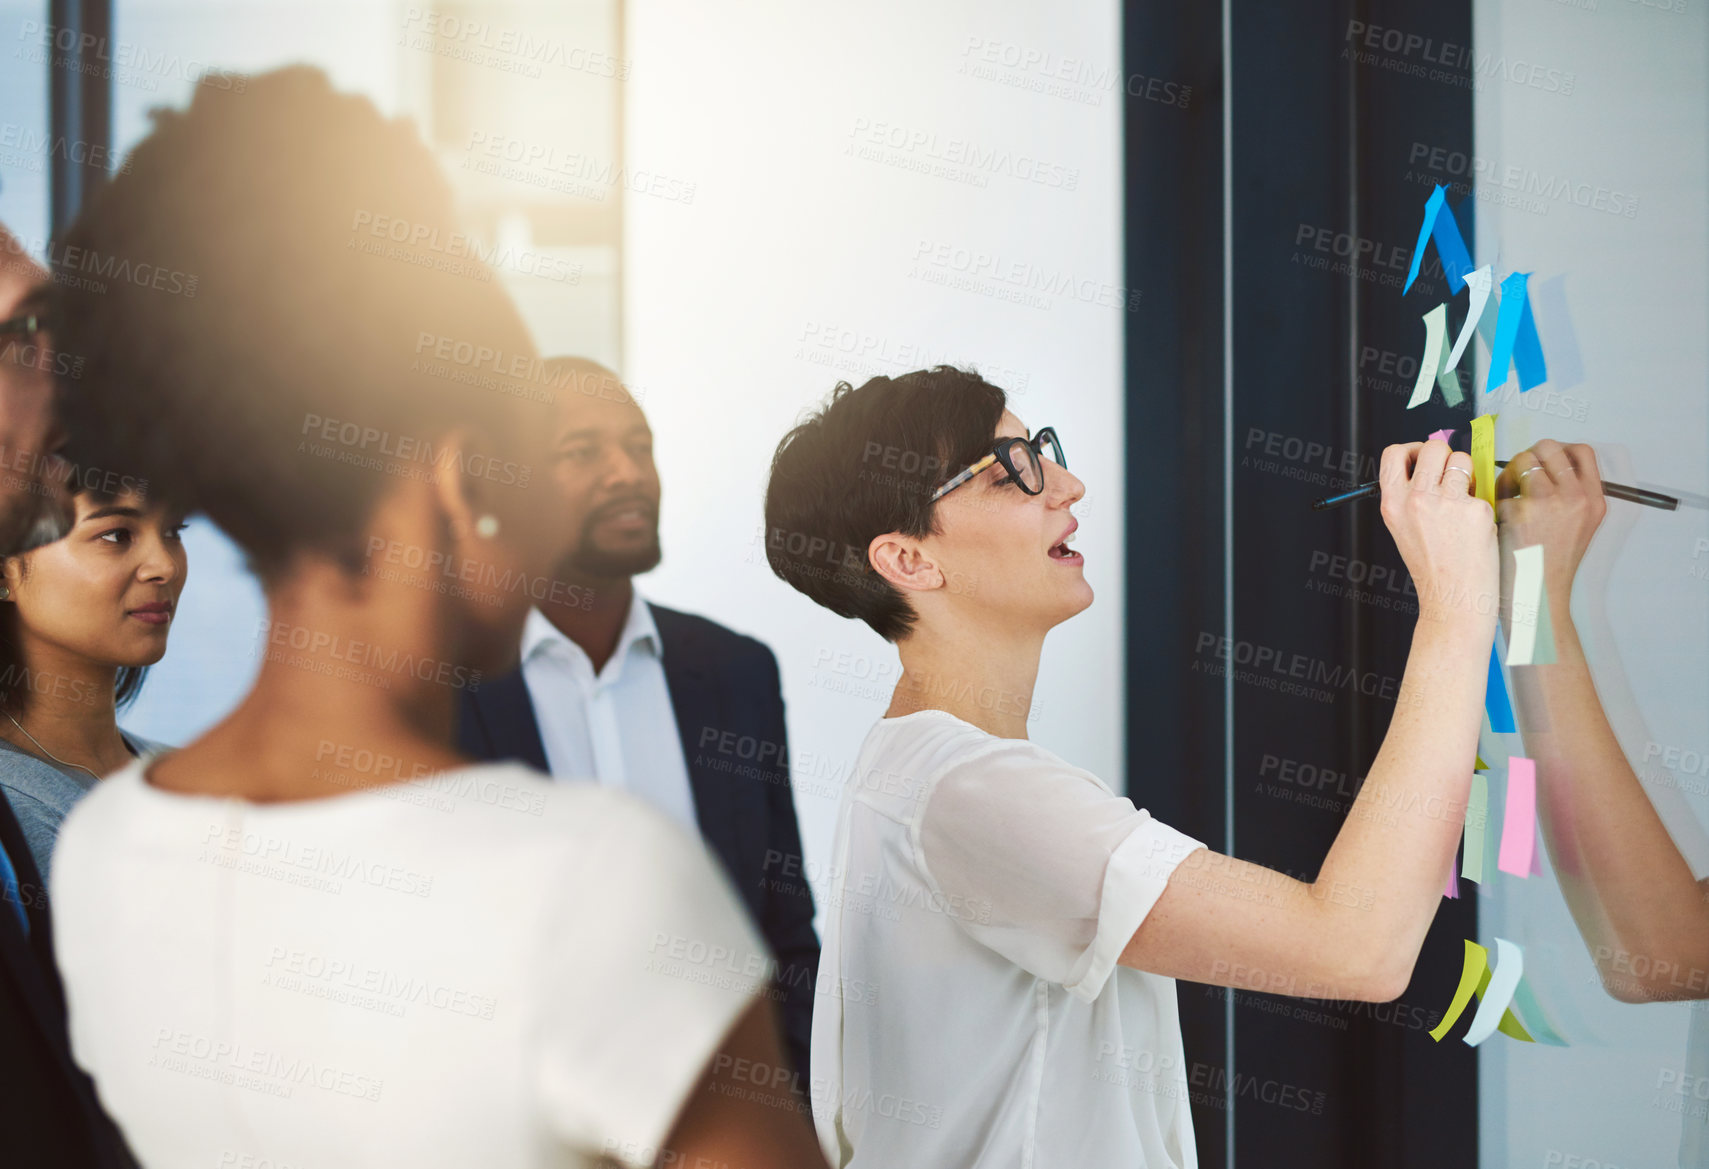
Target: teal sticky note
(1506, 329)
(1432, 208)
(1450, 247)
(1528, 350)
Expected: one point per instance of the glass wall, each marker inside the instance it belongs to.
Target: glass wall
(26, 143)
(522, 99)
(1589, 173)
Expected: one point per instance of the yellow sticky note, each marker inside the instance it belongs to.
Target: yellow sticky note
(1472, 980)
(1483, 457)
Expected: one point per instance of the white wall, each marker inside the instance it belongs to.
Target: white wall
(794, 237)
(1624, 335)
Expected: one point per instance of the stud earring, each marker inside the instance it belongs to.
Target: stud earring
(486, 527)
(5, 593)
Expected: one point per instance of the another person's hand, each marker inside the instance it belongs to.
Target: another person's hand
(1552, 495)
(1446, 535)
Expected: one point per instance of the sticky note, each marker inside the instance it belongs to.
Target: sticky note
(1439, 224)
(1495, 698)
(1432, 208)
(1451, 247)
(1532, 642)
(1483, 457)
(1453, 889)
(1480, 282)
(1503, 981)
(1519, 818)
(1476, 978)
(1432, 366)
(1477, 821)
(1446, 434)
(1477, 965)
(1480, 765)
(1530, 1011)
(1528, 349)
(1516, 342)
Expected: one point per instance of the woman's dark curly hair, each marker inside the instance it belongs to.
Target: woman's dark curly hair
(273, 257)
(865, 464)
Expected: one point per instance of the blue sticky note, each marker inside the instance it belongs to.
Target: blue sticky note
(1432, 209)
(1528, 350)
(1507, 330)
(1495, 699)
(1451, 249)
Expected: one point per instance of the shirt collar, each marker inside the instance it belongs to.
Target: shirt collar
(639, 631)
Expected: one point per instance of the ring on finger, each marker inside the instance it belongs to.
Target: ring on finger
(1462, 471)
(1529, 471)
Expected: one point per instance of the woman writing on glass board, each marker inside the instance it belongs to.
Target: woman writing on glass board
(1033, 922)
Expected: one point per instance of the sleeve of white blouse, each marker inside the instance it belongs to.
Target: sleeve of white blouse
(649, 963)
(1045, 865)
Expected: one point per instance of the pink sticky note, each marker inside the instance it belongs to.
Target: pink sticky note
(1444, 435)
(1536, 860)
(1519, 820)
(1453, 889)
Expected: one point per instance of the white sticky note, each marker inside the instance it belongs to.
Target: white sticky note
(1480, 282)
(1503, 981)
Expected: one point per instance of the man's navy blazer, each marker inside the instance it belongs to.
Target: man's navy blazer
(48, 1111)
(729, 711)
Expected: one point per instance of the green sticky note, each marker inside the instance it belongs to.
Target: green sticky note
(1433, 366)
(1531, 1011)
(1477, 820)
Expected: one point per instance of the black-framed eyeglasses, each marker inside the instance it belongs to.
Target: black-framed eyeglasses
(1020, 457)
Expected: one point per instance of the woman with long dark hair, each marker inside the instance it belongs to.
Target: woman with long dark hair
(81, 620)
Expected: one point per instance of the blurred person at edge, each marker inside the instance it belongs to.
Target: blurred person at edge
(35, 498)
(1056, 914)
(49, 1114)
(1642, 912)
(318, 935)
(81, 620)
(667, 705)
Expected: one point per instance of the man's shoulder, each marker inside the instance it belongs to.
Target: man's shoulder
(705, 636)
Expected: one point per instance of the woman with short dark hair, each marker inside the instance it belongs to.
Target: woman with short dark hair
(1026, 923)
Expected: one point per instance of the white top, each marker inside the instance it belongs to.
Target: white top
(478, 967)
(618, 726)
(980, 893)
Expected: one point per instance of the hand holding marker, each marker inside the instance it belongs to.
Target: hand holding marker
(1611, 490)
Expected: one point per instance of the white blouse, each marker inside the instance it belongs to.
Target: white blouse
(477, 967)
(970, 1009)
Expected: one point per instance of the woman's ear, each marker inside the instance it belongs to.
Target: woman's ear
(461, 498)
(11, 572)
(900, 560)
